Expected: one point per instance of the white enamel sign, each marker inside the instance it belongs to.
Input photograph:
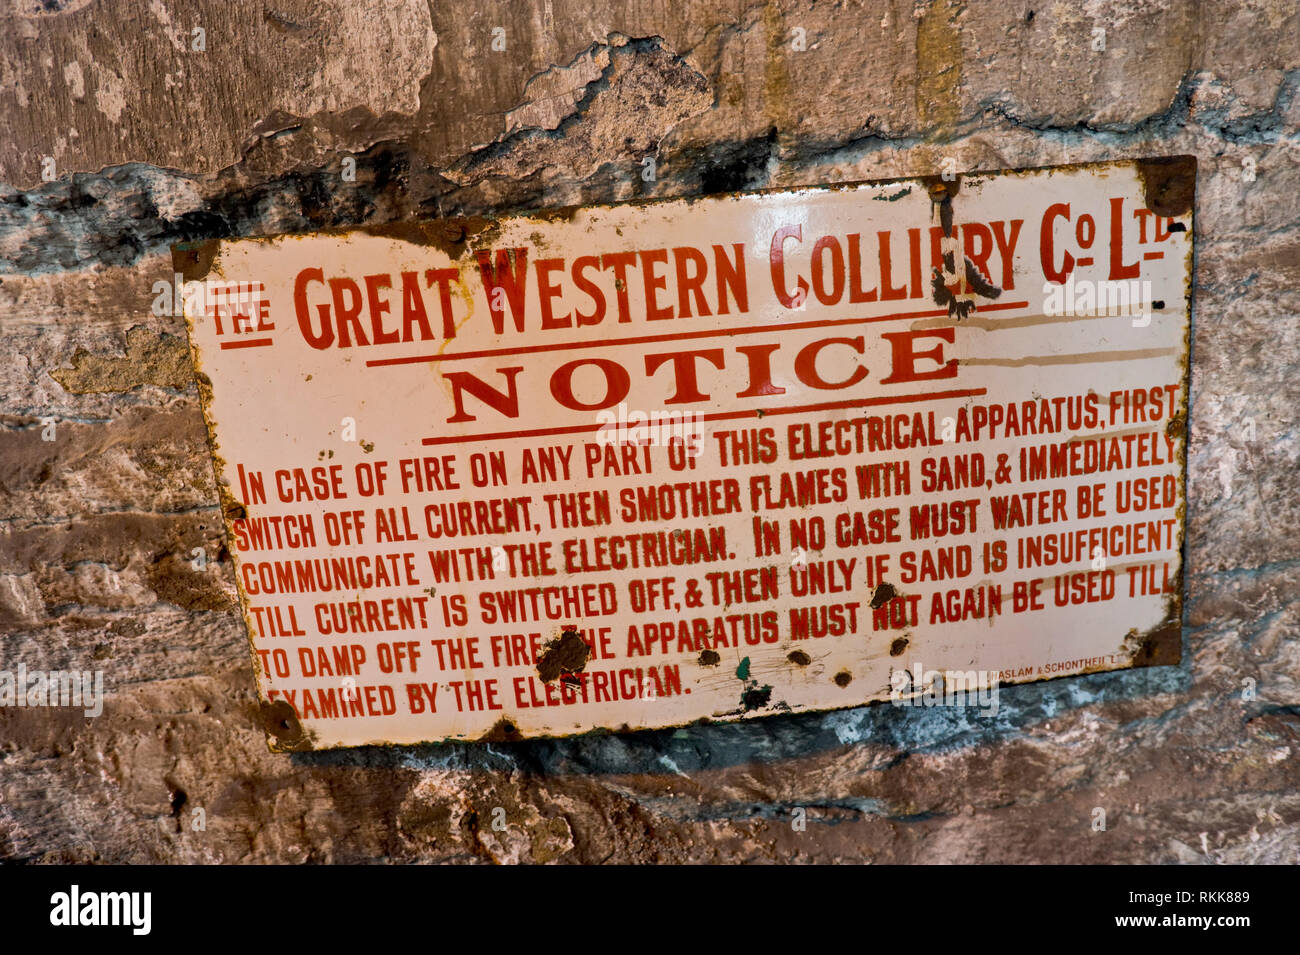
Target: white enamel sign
(640, 465)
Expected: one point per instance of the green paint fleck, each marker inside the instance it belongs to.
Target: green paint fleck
(894, 197)
(742, 671)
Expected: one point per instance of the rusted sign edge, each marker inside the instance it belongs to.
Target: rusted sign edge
(1168, 189)
(1164, 177)
(1169, 186)
(193, 262)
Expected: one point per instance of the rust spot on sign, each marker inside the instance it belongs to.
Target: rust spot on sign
(193, 260)
(502, 731)
(567, 654)
(1174, 429)
(446, 235)
(882, 595)
(942, 190)
(281, 721)
(756, 697)
(1168, 184)
(1162, 646)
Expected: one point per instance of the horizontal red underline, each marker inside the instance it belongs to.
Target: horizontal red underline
(681, 336)
(249, 343)
(721, 415)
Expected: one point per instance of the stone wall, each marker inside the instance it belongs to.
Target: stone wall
(129, 125)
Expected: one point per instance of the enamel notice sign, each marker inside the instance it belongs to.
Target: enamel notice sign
(641, 465)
